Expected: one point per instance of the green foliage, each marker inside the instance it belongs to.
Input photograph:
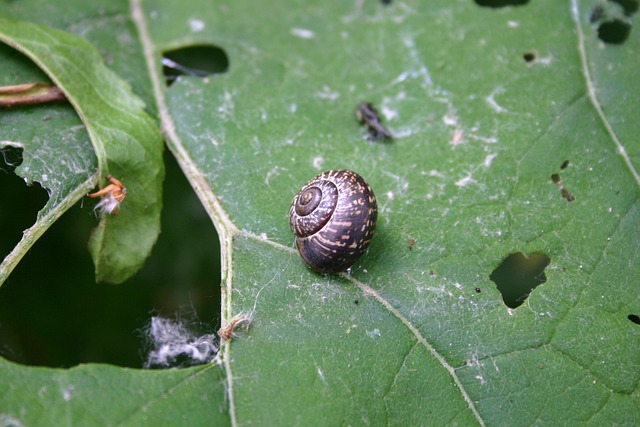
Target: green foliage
(485, 105)
(125, 140)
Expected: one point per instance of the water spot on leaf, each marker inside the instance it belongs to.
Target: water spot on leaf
(614, 32)
(195, 61)
(518, 275)
(501, 3)
(634, 318)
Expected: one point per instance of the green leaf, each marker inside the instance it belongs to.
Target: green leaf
(87, 395)
(485, 104)
(126, 141)
(479, 132)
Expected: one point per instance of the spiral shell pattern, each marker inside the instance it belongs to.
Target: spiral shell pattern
(333, 217)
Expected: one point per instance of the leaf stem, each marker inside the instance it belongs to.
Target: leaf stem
(225, 228)
(29, 94)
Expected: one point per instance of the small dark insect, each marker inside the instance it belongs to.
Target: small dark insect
(356, 302)
(564, 164)
(411, 242)
(478, 290)
(367, 115)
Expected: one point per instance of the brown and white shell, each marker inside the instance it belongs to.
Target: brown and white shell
(333, 217)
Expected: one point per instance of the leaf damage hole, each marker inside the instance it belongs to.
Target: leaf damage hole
(614, 32)
(612, 20)
(195, 61)
(24, 196)
(634, 318)
(500, 3)
(517, 276)
(566, 194)
(629, 6)
(11, 158)
(529, 57)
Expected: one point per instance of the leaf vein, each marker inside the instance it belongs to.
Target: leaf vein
(591, 92)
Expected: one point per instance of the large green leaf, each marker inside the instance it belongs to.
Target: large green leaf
(88, 395)
(406, 339)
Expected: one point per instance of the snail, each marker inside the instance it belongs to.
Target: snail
(333, 218)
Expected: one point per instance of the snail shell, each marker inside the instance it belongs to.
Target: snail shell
(333, 217)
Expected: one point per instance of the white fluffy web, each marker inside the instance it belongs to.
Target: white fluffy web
(174, 345)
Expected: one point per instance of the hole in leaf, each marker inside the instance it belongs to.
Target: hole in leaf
(629, 6)
(195, 61)
(518, 275)
(634, 318)
(74, 320)
(567, 195)
(614, 32)
(500, 3)
(529, 57)
(20, 202)
(10, 158)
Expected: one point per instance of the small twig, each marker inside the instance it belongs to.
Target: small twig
(30, 94)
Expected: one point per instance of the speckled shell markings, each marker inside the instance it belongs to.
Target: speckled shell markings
(333, 217)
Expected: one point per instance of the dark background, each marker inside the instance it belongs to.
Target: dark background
(52, 313)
